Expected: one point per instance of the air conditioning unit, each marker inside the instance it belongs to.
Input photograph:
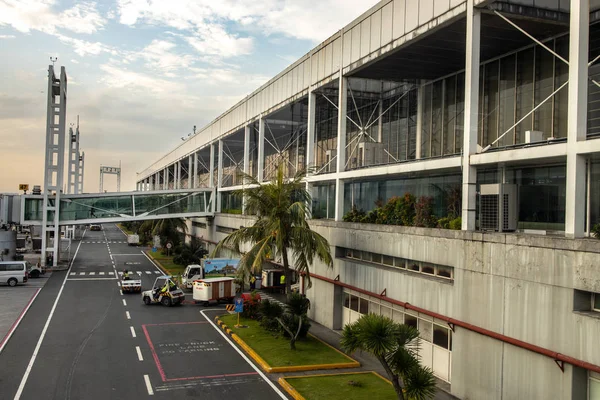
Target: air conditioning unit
(534, 136)
(330, 164)
(498, 207)
(370, 153)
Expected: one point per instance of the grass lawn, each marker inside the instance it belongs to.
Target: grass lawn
(343, 386)
(276, 350)
(166, 262)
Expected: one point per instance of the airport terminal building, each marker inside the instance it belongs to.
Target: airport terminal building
(483, 118)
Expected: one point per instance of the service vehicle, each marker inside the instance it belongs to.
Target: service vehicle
(35, 271)
(133, 240)
(214, 289)
(95, 227)
(171, 297)
(192, 273)
(14, 272)
(130, 285)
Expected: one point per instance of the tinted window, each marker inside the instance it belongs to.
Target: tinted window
(2, 267)
(15, 267)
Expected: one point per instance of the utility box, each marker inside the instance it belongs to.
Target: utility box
(534, 136)
(498, 207)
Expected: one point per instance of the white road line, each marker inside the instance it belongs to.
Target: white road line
(157, 272)
(118, 283)
(148, 385)
(139, 353)
(120, 291)
(148, 272)
(92, 273)
(243, 355)
(91, 279)
(73, 273)
(13, 328)
(127, 255)
(82, 273)
(153, 263)
(127, 315)
(132, 331)
(124, 302)
(139, 273)
(111, 273)
(101, 273)
(43, 334)
(110, 255)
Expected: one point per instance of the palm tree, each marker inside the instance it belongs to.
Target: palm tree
(281, 228)
(168, 229)
(396, 347)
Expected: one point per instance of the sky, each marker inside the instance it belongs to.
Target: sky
(142, 73)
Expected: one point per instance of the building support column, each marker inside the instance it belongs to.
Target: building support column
(577, 117)
(189, 171)
(211, 178)
(219, 175)
(419, 133)
(151, 182)
(165, 179)
(341, 146)
(310, 132)
(195, 171)
(260, 173)
(247, 133)
(469, 175)
(179, 182)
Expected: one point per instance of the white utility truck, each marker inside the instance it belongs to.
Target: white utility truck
(192, 273)
(133, 240)
(214, 289)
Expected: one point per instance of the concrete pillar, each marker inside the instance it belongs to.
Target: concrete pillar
(310, 131)
(219, 175)
(179, 181)
(195, 171)
(157, 181)
(137, 186)
(211, 168)
(419, 133)
(165, 179)
(380, 116)
(577, 118)
(469, 177)
(339, 199)
(190, 164)
(151, 182)
(260, 173)
(342, 118)
(247, 133)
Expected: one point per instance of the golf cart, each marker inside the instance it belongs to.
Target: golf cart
(172, 296)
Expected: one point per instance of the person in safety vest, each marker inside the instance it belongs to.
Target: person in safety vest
(282, 280)
(125, 275)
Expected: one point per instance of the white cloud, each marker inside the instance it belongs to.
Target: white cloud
(214, 40)
(83, 47)
(28, 15)
(75, 61)
(159, 55)
(7, 36)
(116, 77)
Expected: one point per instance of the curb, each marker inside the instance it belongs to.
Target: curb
(297, 396)
(296, 368)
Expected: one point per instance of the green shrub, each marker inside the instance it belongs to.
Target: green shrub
(444, 223)
(268, 311)
(424, 213)
(291, 321)
(595, 231)
(456, 224)
(406, 210)
(354, 215)
(251, 306)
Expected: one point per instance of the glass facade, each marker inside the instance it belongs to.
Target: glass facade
(231, 203)
(323, 201)
(367, 194)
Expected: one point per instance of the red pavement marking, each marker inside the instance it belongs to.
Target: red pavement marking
(16, 323)
(161, 370)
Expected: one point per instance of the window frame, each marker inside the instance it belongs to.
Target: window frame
(594, 297)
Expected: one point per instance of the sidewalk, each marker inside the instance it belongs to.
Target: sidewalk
(367, 361)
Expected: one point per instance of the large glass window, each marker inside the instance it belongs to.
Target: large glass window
(323, 201)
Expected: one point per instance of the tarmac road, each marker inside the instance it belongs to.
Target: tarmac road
(97, 343)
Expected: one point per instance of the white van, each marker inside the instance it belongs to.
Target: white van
(14, 272)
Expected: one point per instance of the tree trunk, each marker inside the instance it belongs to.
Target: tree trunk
(286, 272)
(393, 377)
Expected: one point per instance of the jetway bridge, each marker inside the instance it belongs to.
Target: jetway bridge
(98, 208)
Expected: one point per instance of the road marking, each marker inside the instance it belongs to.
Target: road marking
(157, 272)
(153, 263)
(91, 279)
(243, 355)
(148, 385)
(73, 273)
(110, 255)
(148, 272)
(132, 331)
(124, 302)
(139, 273)
(127, 254)
(120, 291)
(127, 315)
(139, 353)
(101, 273)
(118, 283)
(82, 273)
(43, 334)
(18, 321)
(111, 273)
(92, 273)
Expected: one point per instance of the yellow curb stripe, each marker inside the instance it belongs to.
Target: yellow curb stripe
(290, 389)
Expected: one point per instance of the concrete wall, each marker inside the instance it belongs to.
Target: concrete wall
(516, 285)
